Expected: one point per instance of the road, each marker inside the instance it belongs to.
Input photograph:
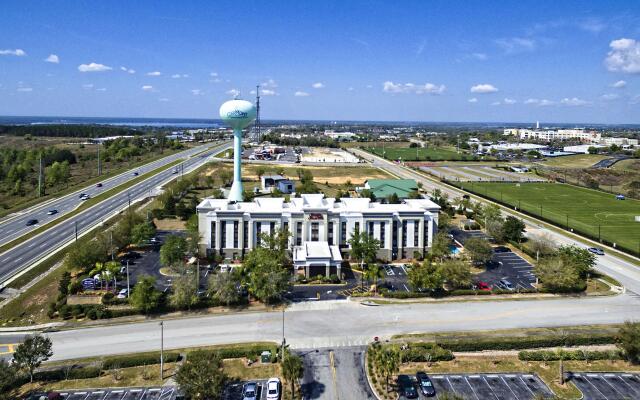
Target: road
(627, 273)
(341, 323)
(28, 252)
(14, 226)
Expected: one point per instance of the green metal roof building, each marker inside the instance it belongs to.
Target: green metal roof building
(383, 188)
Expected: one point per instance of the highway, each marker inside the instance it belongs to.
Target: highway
(627, 273)
(28, 252)
(341, 323)
(15, 225)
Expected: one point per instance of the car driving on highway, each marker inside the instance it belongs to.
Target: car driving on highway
(32, 222)
(99, 185)
(52, 212)
(596, 250)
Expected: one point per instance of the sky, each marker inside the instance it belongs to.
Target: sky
(446, 61)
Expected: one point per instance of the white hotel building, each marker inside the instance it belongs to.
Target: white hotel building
(559, 134)
(320, 227)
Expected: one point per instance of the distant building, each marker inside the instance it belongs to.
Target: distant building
(271, 182)
(514, 147)
(582, 148)
(318, 225)
(383, 188)
(558, 134)
(340, 135)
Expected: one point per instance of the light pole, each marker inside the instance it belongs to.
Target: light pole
(161, 350)
(128, 289)
(75, 224)
(283, 339)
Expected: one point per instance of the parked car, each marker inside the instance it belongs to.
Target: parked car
(596, 250)
(273, 389)
(250, 391)
(52, 212)
(132, 254)
(155, 240)
(124, 261)
(32, 222)
(122, 294)
(425, 384)
(98, 184)
(481, 285)
(501, 249)
(406, 387)
(506, 285)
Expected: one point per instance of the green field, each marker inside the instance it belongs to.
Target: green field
(587, 210)
(417, 154)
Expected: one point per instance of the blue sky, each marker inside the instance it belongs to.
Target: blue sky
(560, 61)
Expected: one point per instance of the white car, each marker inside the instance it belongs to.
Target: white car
(273, 389)
(122, 294)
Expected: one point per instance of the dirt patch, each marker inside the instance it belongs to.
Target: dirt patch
(71, 300)
(173, 224)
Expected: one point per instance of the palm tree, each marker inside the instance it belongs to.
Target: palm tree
(292, 369)
(374, 272)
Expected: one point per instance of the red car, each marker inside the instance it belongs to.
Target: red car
(480, 285)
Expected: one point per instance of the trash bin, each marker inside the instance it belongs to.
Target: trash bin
(265, 357)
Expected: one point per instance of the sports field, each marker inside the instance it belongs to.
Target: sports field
(417, 154)
(586, 209)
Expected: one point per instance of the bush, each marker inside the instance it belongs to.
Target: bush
(59, 374)
(575, 355)
(107, 298)
(518, 343)
(136, 360)
(92, 313)
(425, 352)
(251, 352)
(64, 311)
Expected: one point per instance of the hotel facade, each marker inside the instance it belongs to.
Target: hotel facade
(320, 227)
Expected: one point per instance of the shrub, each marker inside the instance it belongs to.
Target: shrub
(64, 311)
(423, 352)
(136, 360)
(518, 343)
(575, 355)
(251, 352)
(107, 298)
(92, 313)
(59, 374)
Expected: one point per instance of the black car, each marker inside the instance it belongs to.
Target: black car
(425, 384)
(501, 249)
(406, 388)
(132, 254)
(135, 174)
(32, 222)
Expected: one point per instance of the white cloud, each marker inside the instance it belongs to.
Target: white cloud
(196, 92)
(93, 67)
(233, 92)
(473, 100)
(300, 93)
(479, 56)
(510, 101)
(574, 102)
(14, 52)
(592, 25)
(128, 70)
(496, 103)
(154, 73)
(213, 74)
(619, 84)
(609, 96)
(268, 92)
(538, 102)
(318, 85)
(104, 89)
(163, 99)
(351, 89)
(87, 86)
(52, 59)
(178, 76)
(147, 88)
(270, 84)
(624, 56)
(430, 88)
(483, 88)
(25, 89)
(369, 86)
(516, 44)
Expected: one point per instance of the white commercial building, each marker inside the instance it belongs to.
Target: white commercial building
(320, 227)
(558, 134)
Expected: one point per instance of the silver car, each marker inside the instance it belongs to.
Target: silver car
(250, 391)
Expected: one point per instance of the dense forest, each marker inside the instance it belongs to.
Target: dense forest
(68, 130)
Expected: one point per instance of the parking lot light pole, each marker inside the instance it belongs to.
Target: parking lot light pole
(161, 350)
(128, 289)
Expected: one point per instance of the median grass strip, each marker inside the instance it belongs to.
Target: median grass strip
(87, 204)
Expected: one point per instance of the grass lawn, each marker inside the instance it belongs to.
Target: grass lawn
(632, 165)
(588, 210)
(417, 154)
(575, 161)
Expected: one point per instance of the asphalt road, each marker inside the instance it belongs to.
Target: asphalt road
(342, 323)
(26, 253)
(627, 273)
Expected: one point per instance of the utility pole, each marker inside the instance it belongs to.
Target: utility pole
(111, 243)
(75, 225)
(198, 275)
(161, 350)
(257, 123)
(128, 287)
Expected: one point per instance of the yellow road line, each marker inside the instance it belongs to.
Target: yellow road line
(333, 372)
(10, 348)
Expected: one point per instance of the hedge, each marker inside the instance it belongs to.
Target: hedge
(574, 355)
(425, 352)
(518, 343)
(456, 292)
(136, 360)
(58, 374)
(248, 351)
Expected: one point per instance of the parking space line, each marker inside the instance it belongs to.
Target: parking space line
(594, 386)
(515, 396)
(533, 395)
(484, 378)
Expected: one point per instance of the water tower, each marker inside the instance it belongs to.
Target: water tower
(238, 114)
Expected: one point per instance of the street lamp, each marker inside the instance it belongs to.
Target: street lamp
(161, 350)
(283, 339)
(128, 289)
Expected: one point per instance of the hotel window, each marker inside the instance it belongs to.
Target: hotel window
(343, 232)
(285, 226)
(235, 234)
(425, 242)
(394, 235)
(330, 233)
(356, 227)
(272, 228)
(258, 232)
(315, 231)
(383, 226)
(298, 233)
(213, 234)
(245, 235)
(370, 228)
(416, 231)
(223, 234)
(404, 233)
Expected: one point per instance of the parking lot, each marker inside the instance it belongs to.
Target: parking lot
(606, 386)
(159, 393)
(234, 391)
(491, 386)
(395, 278)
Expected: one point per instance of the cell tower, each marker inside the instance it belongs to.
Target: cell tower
(257, 126)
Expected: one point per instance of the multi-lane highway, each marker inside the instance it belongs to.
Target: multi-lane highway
(26, 253)
(624, 271)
